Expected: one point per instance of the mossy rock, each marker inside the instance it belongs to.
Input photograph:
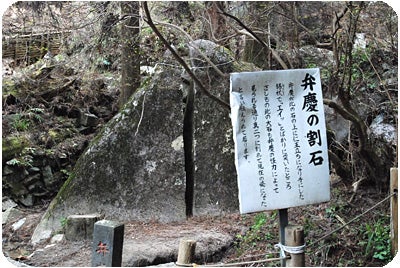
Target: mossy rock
(130, 171)
(9, 87)
(13, 145)
(244, 67)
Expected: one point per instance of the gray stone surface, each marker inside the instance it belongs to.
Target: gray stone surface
(215, 190)
(210, 245)
(134, 169)
(80, 227)
(151, 243)
(57, 238)
(215, 173)
(10, 215)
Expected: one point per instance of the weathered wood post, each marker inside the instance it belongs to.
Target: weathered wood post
(394, 211)
(108, 238)
(294, 237)
(80, 227)
(186, 251)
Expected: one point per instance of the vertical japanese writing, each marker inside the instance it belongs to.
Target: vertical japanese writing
(257, 146)
(280, 92)
(242, 123)
(296, 141)
(270, 139)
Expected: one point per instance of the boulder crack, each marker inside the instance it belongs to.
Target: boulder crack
(188, 145)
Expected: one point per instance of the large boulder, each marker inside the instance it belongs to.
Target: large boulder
(134, 169)
(215, 188)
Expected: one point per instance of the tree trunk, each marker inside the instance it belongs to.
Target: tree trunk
(218, 27)
(130, 62)
(254, 51)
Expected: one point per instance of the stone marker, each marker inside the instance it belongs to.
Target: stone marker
(108, 238)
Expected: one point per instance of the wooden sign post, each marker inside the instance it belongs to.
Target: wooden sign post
(394, 210)
(295, 240)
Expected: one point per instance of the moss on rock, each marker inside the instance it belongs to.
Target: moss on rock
(13, 145)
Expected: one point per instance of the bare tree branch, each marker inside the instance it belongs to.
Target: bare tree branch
(181, 61)
(194, 47)
(256, 37)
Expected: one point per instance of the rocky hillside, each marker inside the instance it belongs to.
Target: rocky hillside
(50, 113)
(64, 101)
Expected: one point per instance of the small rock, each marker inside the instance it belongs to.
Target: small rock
(36, 187)
(40, 234)
(8, 203)
(57, 238)
(33, 170)
(18, 224)
(27, 201)
(88, 120)
(48, 177)
(11, 214)
(29, 180)
(385, 131)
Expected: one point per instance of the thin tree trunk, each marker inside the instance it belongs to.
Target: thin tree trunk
(130, 62)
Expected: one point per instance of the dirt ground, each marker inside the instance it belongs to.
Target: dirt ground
(252, 235)
(16, 244)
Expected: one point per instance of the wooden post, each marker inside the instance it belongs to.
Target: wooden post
(394, 211)
(186, 251)
(294, 237)
(283, 222)
(80, 227)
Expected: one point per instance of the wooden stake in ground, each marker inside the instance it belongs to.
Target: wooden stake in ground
(394, 211)
(187, 248)
(294, 237)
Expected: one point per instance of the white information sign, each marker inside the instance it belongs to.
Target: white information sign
(279, 131)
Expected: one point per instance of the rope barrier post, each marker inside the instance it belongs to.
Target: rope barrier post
(186, 251)
(294, 236)
(283, 222)
(393, 210)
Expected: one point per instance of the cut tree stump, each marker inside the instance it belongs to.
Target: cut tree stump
(80, 227)
(186, 251)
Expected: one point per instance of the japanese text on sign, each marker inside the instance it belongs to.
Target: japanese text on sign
(280, 139)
